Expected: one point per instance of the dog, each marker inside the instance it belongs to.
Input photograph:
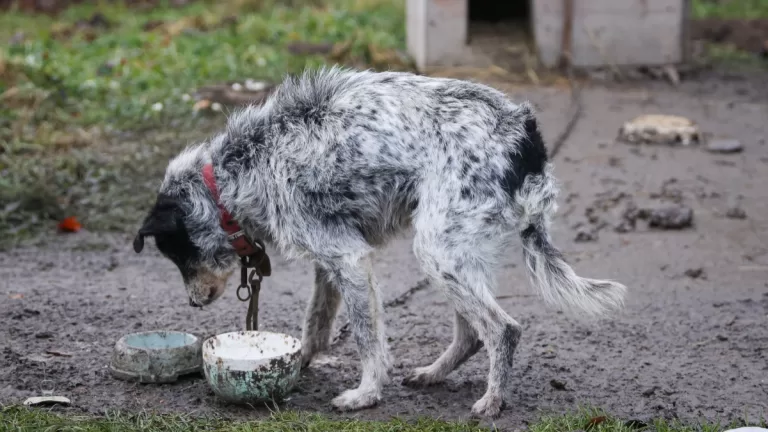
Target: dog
(334, 164)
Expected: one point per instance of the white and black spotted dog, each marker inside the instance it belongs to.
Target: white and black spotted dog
(334, 164)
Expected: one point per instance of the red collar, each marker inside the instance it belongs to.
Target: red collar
(235, 234)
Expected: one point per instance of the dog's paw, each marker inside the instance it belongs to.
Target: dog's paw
(356, 399)
(489, 406)
(421, 377)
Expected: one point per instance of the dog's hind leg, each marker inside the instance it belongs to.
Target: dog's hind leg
(465, 344)
(358, 288)
(458, 248)
(319, 318)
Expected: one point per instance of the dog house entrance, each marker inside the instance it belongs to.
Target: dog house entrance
(500, 33)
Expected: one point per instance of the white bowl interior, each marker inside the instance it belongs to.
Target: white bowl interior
(160, 340)
(252, 345)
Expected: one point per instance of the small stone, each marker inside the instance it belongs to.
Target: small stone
(736, 213)
(724, 146)
(674, 217)
(748, 429)
(734, 208)
(695, 273)
(625, 226)
(722, 338)
(47, 400)
(252, 85)
(660, 129)
(549, 354)
(649, 391)
(585, 236)
(557, 385)
(44, 335)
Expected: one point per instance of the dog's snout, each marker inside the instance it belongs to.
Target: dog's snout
(193, 303)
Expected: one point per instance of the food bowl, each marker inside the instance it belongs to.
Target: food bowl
(251, 366)
(156, 356)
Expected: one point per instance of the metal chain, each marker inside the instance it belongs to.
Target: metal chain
(252, 286)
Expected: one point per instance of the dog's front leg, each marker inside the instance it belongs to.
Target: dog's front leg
(320, 314)
(358, 288)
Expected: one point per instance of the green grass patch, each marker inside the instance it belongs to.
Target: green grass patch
(94, 101)
(730, 8)
(19, 419)
(114, 74)
(23, 420)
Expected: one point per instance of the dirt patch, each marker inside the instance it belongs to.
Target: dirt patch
(749, 35)
(692, 342)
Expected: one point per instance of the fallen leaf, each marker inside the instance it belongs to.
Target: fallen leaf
(70, 224)
(594, 421)
(203, 104)
(16, 296)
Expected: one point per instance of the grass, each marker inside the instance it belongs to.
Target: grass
(730, 8)
(20, 419)
(90, 114)
(23, 420)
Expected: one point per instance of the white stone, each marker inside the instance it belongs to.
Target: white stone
(748, 429)
(660, 129)
(47, 400)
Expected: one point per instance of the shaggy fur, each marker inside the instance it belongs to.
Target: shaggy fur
(334, 164)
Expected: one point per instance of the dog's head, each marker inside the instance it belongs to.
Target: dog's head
(193, 243)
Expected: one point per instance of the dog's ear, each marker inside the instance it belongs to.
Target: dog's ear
(162, 219)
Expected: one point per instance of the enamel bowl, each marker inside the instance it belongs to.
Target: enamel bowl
(252, 366)
(156, 356)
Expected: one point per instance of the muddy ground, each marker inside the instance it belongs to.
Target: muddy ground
(692, 342)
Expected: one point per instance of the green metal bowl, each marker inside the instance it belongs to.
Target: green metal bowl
(156, 356)
(252, 366)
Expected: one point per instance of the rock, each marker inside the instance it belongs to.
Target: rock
(695, 273)
(721, 338)
(734, 209)
(625, 226)
(585, 236)
(673, 217)
(660, 129)
(736, 213)
(649, 391)
(44, 335)
(748, 429)
(724, 146)
(557, 385)
(47, 401)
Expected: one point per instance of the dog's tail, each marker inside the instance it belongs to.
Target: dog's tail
(547, 270)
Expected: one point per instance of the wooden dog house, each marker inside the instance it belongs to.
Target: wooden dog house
(602, 32)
